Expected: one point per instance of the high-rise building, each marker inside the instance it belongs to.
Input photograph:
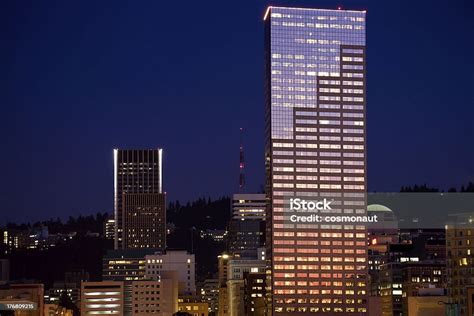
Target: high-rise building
(139, 201)
(315, 104)
(460, 261)
(247, 224)
(248, 206)
(222, 306)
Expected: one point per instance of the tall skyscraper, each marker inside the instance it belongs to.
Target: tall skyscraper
(460, 262)
(315, 148)
(247, 224)
(139, 201)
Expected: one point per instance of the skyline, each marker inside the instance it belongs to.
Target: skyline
(85, 153)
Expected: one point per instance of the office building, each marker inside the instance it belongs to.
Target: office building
(139, 201)
(254, 293)
(102, 298)
(470, 300)
(237, 269)
(426, 306)
(173, 260)
(109, 228)
(315, 105)
(381, 236)
(217, 235)
(155, 297)
(193, 306)
(399, 281)
(460, 261)
(231, 280)
(222, 270)
(247, 224)
(125, 265)
(210, 294)
(248, 206)
(236, 292)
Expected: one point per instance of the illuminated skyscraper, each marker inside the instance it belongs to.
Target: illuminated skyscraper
(139, 202)
(315, 148)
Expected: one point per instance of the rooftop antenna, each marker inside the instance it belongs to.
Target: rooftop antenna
(242, 163)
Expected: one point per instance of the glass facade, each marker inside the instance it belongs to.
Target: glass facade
(315, 147)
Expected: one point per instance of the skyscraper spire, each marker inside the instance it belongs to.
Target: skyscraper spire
(242, 163)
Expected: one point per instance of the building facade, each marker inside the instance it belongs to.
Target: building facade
(460, 261)
(106, 298)
(247, 224)
(139, 201)
(174, 260)
(152, 297)
(315, 104)
(248, 206)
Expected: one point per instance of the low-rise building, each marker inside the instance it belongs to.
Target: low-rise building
(106, 297)
(173, 260)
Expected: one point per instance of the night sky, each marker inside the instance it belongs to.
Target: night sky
(79, 78)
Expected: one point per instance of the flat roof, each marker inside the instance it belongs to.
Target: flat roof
(310, 9)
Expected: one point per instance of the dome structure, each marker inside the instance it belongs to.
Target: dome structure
(386, 219)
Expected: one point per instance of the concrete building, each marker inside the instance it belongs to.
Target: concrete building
(173, 260)
(106, 297)
(152, 297)
(460, 260)
(232, 271)
(235, 298)
(470, 300)
(223, 305)
(426, 306)
(193, 306)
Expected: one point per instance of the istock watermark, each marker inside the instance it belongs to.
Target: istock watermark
(298, 204)
(11, 305)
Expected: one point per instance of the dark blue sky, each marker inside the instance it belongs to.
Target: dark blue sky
(79, 78)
